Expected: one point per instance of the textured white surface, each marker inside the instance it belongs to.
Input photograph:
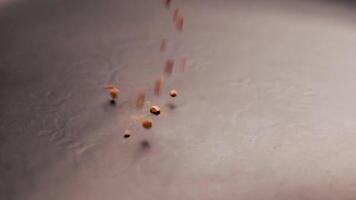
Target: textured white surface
(266, 108)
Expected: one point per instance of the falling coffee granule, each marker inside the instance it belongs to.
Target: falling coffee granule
(147, 124)
(140, 101)
(114, 92)
(158, 86)
(168, 68)
(155, 110)
(163, 46)
(127, 133)
(175, 14)
(173, 93)
(179, 23)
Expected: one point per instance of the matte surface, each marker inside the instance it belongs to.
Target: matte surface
(265, 108)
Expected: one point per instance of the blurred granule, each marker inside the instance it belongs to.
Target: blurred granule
(158, 86)
(168, 69)
(140, 101)
(147, 123)
(180, 23)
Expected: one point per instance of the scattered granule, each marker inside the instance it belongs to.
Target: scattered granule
(127, 133)
(173, 93)
(114, 93)
(147, 123)
(155, 110)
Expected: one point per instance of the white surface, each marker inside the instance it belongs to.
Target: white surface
(266, 107)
